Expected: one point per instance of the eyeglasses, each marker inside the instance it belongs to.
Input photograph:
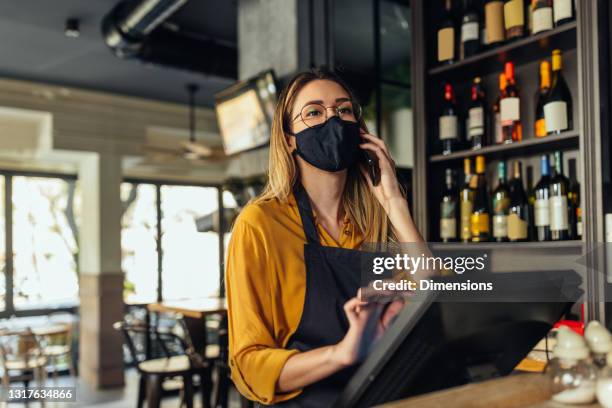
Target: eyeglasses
(314, 114)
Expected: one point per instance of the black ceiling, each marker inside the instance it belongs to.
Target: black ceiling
(34, 47)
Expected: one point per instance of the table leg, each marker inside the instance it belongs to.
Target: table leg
(148, 334)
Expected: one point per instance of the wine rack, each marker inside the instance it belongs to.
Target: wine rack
(585, 44)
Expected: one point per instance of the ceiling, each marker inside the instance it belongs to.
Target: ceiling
(34, 47)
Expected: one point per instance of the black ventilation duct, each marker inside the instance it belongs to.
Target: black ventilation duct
(134, 29)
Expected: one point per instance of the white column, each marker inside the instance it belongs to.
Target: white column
(101, 279)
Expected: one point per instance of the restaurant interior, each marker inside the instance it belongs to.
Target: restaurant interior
(133, 132)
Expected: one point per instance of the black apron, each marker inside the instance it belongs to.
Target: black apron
(332, 278)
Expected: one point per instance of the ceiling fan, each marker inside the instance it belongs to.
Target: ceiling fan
(193, 150)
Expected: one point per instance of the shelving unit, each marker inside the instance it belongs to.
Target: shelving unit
(531, 246)
(563, 141)
(579, 41)
(520, 51)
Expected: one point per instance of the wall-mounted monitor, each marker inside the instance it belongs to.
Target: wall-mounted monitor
(245, 111)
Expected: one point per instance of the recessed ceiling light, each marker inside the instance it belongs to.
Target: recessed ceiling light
(72, 28)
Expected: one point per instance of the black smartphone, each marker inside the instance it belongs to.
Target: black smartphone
(370, 160)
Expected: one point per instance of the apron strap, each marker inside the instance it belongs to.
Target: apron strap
(303, 202)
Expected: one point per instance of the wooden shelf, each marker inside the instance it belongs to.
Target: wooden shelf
(521, 51)
(486, 246)
(563, 141)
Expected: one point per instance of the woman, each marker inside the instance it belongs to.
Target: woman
(295, 320)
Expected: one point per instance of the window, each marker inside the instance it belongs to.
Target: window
(190, 265)
(170, 241)
(39, 217)
(44, 242)
(139, 259)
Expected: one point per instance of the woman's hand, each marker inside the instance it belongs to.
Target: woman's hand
(346, 352)
(358, 311)
(388, 189)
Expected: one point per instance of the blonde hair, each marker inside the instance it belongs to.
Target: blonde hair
(358, 202)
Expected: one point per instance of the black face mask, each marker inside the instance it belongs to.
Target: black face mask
(331, 146)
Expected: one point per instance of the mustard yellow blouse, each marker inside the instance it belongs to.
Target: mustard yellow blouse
(265, 284)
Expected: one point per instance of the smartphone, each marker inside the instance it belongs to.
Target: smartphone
(370, 160)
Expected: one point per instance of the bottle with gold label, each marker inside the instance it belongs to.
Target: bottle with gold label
(501, 204)
(518, 217)
(558, 106)
(541, 97)
(446, 35)
(448, 210)
(494, 22)
(466, 199)
(479, 221)
(514, 18)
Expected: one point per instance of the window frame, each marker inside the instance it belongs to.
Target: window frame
(9, 309)
(158, 185)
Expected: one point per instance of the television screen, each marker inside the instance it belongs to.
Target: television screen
(245, 111)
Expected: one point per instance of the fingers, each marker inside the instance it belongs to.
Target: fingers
(352, 308)
(356, 310)
(384, 161)
(379, 142)
(392, 310)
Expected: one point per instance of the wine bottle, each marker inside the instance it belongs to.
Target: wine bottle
(448, 210)
(497, 131)
(579, 223)
(573, 198)
(477, 115)
(558, 107)
(494, 22)
(518, 213)
(479, 221)
(514, 18)
(541, 99)
(466, 198)
(510, 108)
(501, 205)
(541, 207)
(446, 35)
(563, 11)
(531, 198)
(558, 204)
(470, 30)
(542, 16)
(449, 122)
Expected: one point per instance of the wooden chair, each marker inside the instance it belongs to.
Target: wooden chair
(155, 372)
(56, 342)
(203, 355)
(21, 358)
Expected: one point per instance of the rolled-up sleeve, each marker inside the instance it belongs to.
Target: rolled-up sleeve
(256, 358)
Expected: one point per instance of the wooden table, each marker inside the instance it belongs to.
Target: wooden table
(514, 391)
(194, 308)
(37, 331)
